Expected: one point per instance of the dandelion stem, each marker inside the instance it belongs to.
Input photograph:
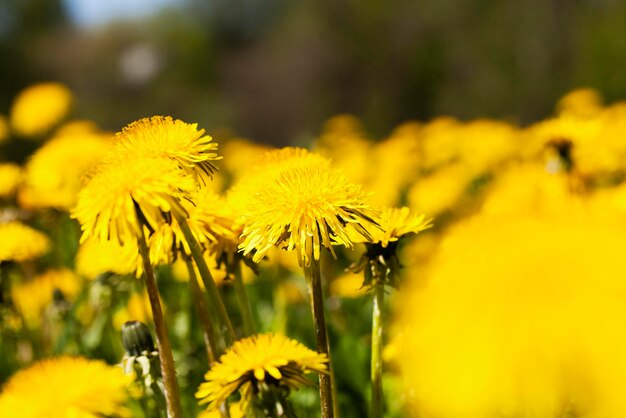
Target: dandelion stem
(207, 278)
(377, 352)
(203, 313)
(242, 296)
(172, 396)
(314, 282)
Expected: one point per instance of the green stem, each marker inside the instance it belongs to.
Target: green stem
(314, 282)
(242, 297)
(203, 313)
(207, 278)
(377, 352)
(166, 359)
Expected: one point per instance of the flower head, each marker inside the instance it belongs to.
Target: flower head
(32, 297)
(108, 204)
(65, 387)
(162, 136)
(53, 173)
(10, 175)
(97, 257)
(20, 242)
(295, 200)
(265, 358)
(380, 262)
(39, 107)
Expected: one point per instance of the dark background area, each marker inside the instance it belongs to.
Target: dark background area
(275, 70)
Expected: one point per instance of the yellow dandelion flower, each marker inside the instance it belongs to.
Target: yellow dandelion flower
(518, 316)
(296, 200)
(395, 223)
(234, 410)
(65, 387)
(209, 219)
(581, 102)
(162, 136)
(32, 297)
(240, 154)
(38, 108)
(10, 175)
(53, 174)
(348, 285)
(97, 257)
(20, 242)
(270, 358)
(4, 129)
(107, 204)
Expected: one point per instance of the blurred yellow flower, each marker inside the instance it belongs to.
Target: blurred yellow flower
(348, 285)
(296, 200)
(580, 102)
(20, 242)
(32, 297)
(10, 176)
(97, 257)
(239, 154)
(38, 108)
(264, 358)
(519, 316)
(65, 387)
(137, 309)
(53, 174)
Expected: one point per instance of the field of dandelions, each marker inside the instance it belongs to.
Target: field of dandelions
(451, 269)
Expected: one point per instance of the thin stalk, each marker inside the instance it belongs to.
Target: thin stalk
(166, 360)
(314, 282)
(203, 313)
(207, 278)
(242, 297)
(377, 352)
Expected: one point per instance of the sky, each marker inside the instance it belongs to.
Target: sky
(97, 12)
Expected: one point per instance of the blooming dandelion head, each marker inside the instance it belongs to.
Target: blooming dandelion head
(296, 200)
(120, 188)
(518, 316)
(33, 297)
(52, 176)
(65, 387)
(10, 175)
(20, 242)
(163, 136)
(266, 358)
(38, 108)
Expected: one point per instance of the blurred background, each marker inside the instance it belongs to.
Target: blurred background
(275, 70)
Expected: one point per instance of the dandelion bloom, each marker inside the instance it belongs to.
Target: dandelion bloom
(65, 387)
(97, 257)
(162, 136)
(32, 297)
(108, 204)
(10, 175)
(20, 242)
(396, 223)
(519, 316)
(270, 358)
(296, 200)
(52, 176)
(38, 108)
(210, 221)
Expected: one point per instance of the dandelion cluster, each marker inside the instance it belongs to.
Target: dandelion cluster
(450, 269)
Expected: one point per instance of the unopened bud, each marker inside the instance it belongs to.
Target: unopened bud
(136, 338)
